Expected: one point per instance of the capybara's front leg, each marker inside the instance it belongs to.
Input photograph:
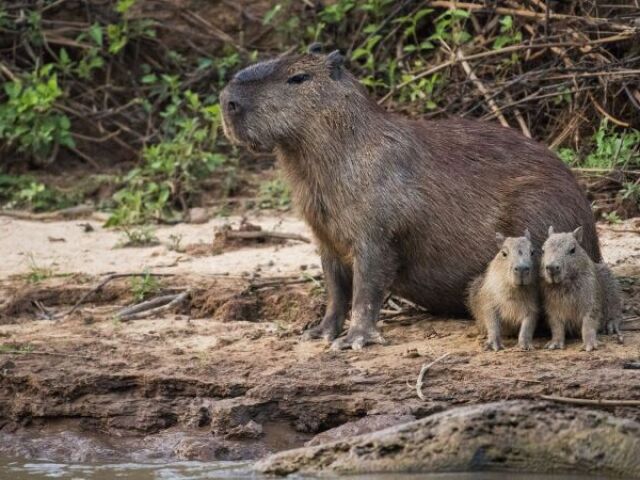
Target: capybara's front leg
(492, 323)
(338, 279)
(525, 338)
(372, 274)
(557, 334)
(589, 332)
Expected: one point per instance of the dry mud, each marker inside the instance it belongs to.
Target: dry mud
(225, 376)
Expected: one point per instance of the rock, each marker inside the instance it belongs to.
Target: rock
(516, 435)
(367, 424)
(250, 430)
(198, 215)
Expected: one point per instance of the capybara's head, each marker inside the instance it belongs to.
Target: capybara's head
(515, 258)
(281, 101)
(562, 256)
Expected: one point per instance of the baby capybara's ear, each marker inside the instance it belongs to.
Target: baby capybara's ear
(527, 234)
(335, 60)
(550, 231)
(499, 239)
(577, 234)
(315, 48)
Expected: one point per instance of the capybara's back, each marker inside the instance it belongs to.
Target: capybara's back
(476, 179)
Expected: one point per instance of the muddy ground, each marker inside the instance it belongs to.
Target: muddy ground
(225, 376)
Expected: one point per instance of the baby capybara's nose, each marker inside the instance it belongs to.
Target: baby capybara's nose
(552, 269)
(523, 269)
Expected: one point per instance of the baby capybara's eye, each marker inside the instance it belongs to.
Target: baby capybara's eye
(572, 251)
(298, 79)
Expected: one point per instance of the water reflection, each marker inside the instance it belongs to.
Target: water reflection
(15, 470)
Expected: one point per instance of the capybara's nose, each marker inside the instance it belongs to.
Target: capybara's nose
(233, 107)
(552, 269)
(230, 103)
(523, 269)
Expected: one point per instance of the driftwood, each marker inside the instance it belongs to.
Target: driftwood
(522, 436)
(592, 402)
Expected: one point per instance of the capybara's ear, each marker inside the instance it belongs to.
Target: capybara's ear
(527, 234)
(315, 48)
(550, 231)
(577, 233)
(499, 239)
(334, 62)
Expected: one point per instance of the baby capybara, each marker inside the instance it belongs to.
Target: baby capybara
(578, 294)
(396, 204)
(504, 299)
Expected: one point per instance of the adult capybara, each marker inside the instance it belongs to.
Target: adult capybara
(396, 204)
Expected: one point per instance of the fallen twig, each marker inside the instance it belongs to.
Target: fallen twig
(263, 234)
(150, 307)
(424, 370)
(95, 289)
(587, 401)
(64, 214)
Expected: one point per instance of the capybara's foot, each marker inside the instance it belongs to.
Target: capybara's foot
(357, 339)
(555, 345)
(525, 345)
(495, 345)
(326, 332)
(590, 345)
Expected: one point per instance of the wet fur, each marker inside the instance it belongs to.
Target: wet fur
(409, 206)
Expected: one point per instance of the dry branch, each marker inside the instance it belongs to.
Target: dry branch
(264, 234)
(152, 307)
(100, 285)
(425, 368)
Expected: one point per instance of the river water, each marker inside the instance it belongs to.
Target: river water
(32, 470)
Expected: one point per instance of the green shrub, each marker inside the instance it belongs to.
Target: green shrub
(28, 119)
(170, 170)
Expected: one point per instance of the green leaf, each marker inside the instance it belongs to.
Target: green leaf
(95, 32)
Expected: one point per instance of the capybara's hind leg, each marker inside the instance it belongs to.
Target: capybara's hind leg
(372, 275)
(613, 329)
(339, 286)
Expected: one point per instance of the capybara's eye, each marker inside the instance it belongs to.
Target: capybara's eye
(504, 253)
(298, 79)
(572, 251)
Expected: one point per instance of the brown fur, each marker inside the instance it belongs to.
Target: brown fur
(396, 204)
(579, 295)
(503, 300)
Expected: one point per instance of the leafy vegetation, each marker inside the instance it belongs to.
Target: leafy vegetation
(144, 236)
(28, 120)
(608, 149)
(26, 192)
(113, 86)
(144, 286)
(274, 194)
(37, 273)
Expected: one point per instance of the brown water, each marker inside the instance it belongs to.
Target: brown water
(34, 470)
